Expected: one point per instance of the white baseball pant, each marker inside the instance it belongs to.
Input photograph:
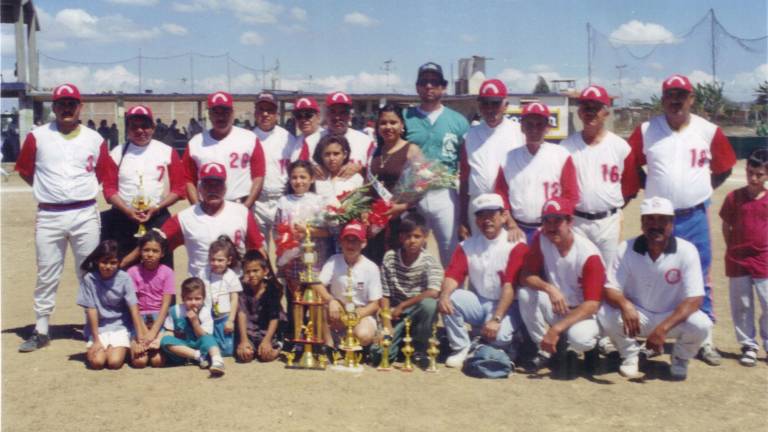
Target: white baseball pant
(439, 209)
(604, 233)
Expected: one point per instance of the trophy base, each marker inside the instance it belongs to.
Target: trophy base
(312, 368)
(352, 369)
(431, 370)
(384, 369)
(406, 369)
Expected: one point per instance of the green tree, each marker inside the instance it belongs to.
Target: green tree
(762, 94)
(710, 99)
(541, 86)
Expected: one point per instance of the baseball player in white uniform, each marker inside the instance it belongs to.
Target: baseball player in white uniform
(561, 286)
(687, 158)
(338, 109)
(64, 163)
(307, 116)
(654, 290)
(492, 264)
(535, 173)
(485, 147)
(277, 145)
(238, 149)
(606, 173)
(144, 166)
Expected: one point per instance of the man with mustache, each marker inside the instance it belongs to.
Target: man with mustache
(686, 157)
(64, 163)
(338, 109)
(654, 291)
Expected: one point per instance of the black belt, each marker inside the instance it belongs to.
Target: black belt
(528, 225)
(595, 216)
(68, 206)
(688, 211)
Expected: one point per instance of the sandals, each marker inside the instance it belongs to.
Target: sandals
(748, 356)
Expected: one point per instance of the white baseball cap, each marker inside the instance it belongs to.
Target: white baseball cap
(658, 206)
(487, 201)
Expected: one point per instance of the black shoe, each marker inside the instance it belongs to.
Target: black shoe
(35, 342)
(591, 361)
(420, 359)
(539, 362)
(565, 365)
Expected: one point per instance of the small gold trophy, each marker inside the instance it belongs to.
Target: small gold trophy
(142, 203)
(407, 347)
(433, 350)
(386, 340)
(307, 301)
(350, 344)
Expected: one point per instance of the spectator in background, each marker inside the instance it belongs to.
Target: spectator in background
(103, 130)
(161, 129)
(114, 136)
(193, 128)
(91, 124)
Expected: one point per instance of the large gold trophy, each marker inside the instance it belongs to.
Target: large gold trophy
(142, 203)
(350, 344)
(307, 304)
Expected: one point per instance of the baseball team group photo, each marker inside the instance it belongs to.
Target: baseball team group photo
(308, 259)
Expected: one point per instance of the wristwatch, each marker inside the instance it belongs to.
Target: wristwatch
(497, 318)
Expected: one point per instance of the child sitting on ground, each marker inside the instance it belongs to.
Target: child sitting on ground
(189, 328)
(109, 299)
(259, 312)
(410, 280)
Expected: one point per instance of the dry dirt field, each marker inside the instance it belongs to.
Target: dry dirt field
(52, 390)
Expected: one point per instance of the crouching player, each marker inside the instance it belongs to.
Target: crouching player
(492, 263)
(654, 290)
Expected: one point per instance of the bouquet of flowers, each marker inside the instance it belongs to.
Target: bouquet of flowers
(286, 244)
(421, 175)
(377, 217)
(348, 206)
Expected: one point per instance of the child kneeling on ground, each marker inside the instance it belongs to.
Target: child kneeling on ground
(189, 328)
(259, 312)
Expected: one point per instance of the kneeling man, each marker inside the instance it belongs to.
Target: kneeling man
(654, 291)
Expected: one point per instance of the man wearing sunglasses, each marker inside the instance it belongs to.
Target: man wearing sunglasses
(307, 116)
(484, 148)
(439, 132)
(338, 111)
(64, 163)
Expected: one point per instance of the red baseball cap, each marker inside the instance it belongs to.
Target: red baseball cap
(213, 171)
(338, 98)
(139, 110)
(267, 97)
(306, 103)
(557, 206)
(595, 93)
(355, 229)
(66, 91)
(536, 108)
(492, 89)
(220, 98)
(677, 82)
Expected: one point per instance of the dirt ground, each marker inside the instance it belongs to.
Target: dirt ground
(52, 390)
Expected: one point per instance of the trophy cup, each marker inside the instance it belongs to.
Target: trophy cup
(141, 202)
(307, 302)
(433, 350)
(407, 347)
(386, 340)
(350, 344)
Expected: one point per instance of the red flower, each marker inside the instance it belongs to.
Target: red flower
(285, 239)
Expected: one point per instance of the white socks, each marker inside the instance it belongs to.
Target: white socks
(41, 325)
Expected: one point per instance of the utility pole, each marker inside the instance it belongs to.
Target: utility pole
(387, 68)
(229, 76)
(620, 68)
(192, 72)
(139, 70)
(589, 53)
(713, 21)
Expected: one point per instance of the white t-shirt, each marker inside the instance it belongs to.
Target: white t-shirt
(599, 168)
(206, 320)
(366, 279)
(657, 286)
(217, 290)
(299, 209)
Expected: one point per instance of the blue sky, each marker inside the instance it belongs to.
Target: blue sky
(342, 45)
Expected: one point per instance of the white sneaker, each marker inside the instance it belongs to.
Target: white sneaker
(606, 346)
(678, 369)
(630, 368)
(217, 368)
(456, 360)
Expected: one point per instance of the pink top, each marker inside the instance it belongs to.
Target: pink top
(151, 286)
(747, 255)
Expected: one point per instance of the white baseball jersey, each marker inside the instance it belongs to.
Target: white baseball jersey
(330, 189)
(488, 263)
(156, 164)
(277, 145)
(579, 275)
(601, 171)
(657, 286)
(484, 151)
(299, 209)
(366, 280)
(240, 152)
(528, 181)
(304, 147)
(680, 162)
(66, 168)
(196, 230)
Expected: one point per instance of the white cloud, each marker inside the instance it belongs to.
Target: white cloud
(469, 38)
(115, 78)
(656, 66)
(78, 25)
(639, 33)
(538, 68)
(250, 11)
(251, 38)
(174, 29)
(741, 87)
(519, 81)
(360, 19)
(134, 2)
(7, 44)
(699, 77)
(299, 14)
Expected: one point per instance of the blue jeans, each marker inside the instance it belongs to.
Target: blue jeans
(475, 310)
(695, 228)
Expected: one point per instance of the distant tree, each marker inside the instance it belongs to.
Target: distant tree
(710, 98)
(541, 86)
(762, 94)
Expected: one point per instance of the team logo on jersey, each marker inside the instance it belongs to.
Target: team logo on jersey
(672, 276)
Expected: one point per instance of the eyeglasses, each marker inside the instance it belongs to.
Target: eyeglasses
(271, 111)
(304, 115)
(67, 103)
(143, 125)
(490, 103)
(434, 82)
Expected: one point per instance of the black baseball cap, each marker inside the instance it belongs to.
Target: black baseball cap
(431, 67)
